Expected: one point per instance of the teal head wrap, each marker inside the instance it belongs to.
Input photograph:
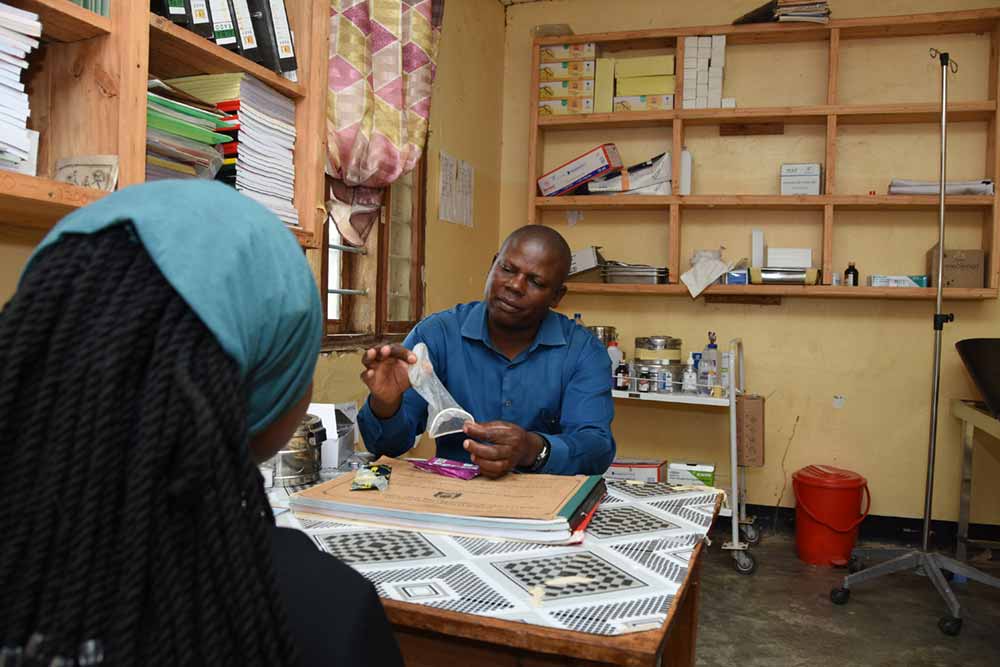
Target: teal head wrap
(238, 267)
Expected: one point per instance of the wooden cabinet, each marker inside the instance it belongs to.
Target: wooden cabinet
(87, 88)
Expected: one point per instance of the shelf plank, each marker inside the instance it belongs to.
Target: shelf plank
(175, 52)
(921, 112)
(770, 202)
(598, 202)
(32, 201)
(305, 239)
(938, 23)
(684, 399)
(811, 291)
(862, 114)
(62, 21)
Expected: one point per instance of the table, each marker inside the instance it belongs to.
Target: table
(433, 637)
(973, 416)
(627, 596)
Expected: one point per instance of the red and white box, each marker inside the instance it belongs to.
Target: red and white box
(639, 470)
(594, 163)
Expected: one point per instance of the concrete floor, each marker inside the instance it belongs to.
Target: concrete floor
(782, 616)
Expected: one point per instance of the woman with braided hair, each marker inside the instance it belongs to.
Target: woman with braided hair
(161, 342)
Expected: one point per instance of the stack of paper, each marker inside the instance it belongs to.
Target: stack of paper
(902, 186)
(264, 158)
(19, 33)
(811, 11)
(183, 134)
(552, 509)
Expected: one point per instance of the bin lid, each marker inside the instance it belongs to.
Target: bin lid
(828, 477)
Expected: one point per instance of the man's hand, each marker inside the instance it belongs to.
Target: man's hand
(387, 377)
(509, 446)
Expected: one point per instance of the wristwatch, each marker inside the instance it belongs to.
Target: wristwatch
(543, 456)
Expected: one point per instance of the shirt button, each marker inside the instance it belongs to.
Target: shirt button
(508, 403)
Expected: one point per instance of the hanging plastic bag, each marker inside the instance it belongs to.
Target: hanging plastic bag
(444, 415)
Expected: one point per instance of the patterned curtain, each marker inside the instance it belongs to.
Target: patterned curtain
(383, 55)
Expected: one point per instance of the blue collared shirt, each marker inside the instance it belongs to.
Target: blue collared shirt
(559, 387)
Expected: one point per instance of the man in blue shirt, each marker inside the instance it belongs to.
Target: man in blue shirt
(538, 385)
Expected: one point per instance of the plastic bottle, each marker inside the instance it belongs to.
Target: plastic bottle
(616, 359)
(708, 369)
(851, 275)
(689, 381)
(724, 370)
(622, 379)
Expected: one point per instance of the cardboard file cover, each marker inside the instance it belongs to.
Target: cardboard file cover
(223, 25)
(750, 430)
(178, 11)
(248, 42)
(201, 18)
(274, 34)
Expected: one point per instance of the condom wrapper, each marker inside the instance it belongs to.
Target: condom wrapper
(448, 468)
(371, 477)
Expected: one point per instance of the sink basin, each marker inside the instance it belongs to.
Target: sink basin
(982, 359)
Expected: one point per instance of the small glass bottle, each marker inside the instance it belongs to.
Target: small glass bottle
(851, 275)
(578, 318)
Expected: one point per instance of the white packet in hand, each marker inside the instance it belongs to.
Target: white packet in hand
(444, 415)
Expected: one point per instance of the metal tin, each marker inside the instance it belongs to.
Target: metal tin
(605, 334)
(300, 460)
(658, 348)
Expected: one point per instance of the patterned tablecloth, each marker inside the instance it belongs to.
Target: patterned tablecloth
(621, 579)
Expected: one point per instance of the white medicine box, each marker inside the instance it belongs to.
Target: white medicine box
(801, 178)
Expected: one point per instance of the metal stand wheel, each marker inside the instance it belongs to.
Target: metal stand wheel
(744, 562)
(840, 595)
(950, 625)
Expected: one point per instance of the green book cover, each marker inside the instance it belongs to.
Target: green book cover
(159, 121)
(581, 494)
(188, 110)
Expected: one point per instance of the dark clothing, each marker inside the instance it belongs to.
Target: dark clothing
(334, 614)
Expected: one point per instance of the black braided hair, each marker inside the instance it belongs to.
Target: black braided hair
(134, 523)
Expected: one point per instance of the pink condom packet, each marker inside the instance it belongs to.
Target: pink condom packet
(448, 468)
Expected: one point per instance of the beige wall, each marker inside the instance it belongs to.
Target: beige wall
(801, 353)
(465, 123)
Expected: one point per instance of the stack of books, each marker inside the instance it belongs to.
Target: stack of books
(183, 134)
(256, 29)
(548, 509)
(19, 33)
(97, 6)
(810, 11)
(260, 163)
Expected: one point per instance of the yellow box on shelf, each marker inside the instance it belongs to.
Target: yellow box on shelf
(557, 90)
(604, 85)
(572, 105)
(644, 85)
(557, 53)
(645, 66)
(566, 71)
(644, 103)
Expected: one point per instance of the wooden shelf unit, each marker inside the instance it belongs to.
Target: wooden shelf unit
(831, 115)
(87, 89)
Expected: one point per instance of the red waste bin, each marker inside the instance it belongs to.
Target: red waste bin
(828, 513)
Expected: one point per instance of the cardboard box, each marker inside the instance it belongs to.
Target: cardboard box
(801, 185)
(698, 474)
(567, 71)
(572, 105)
(801, 169)
(556, 53)
(701, 102)
(691, 42)
(641, 470)
(962, 268)
(728, 102)
(596, 162)
(604, 85)
(750, 430)
(691, 61)
(898, 281)
(559, 90)
(789, 258)
(689, 103)
(585, 260)
(704, 41)
(644, 85)
(644, 103)
(645, 66)
(738, 277)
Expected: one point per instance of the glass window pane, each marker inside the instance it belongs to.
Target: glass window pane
(401, 250)
(333, 275)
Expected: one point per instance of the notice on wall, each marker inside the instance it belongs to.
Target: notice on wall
(456, 187)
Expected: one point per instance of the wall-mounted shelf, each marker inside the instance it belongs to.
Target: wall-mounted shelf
(62, 21)
(808, 291)
(772, 202)
(175, 51)
(829, 116)
(33, 201)
(685, 399)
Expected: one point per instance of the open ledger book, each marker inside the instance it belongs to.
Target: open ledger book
(537, 508)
